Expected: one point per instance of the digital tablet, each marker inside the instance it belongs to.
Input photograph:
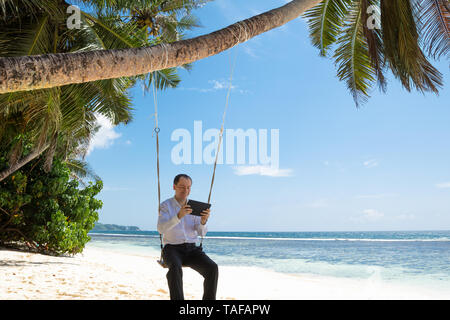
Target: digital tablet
(197, 207)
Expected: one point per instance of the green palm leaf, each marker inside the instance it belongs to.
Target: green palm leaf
(175, 5)
(11, 10)
(81, 170)
(374, 41)
(435, 27)
(32, 36)
(402, 50)
(115, 33)
(163, 79)
(64, 118)
(325, 22)
(353, 62)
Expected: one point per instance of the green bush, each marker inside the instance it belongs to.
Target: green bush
(47, 211)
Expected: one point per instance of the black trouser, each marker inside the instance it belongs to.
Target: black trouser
(189, 255)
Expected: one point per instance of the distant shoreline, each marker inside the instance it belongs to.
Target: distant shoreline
(421, 235)
(122, 228)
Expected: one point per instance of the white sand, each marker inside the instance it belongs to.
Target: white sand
(104, 274)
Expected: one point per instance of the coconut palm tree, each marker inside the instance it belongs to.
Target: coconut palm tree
(49, 118)
(362, 55)
(365, 50)
(105, 64)
(408, 30)
(62, 120)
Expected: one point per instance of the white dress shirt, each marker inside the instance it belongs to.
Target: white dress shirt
(178, 231)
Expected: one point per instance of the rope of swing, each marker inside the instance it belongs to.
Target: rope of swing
(156, 130)
(221, 134)
(223, 124)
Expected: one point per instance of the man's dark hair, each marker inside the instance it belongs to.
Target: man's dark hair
(179, 176)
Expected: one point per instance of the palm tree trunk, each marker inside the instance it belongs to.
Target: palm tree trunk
(51, 70)
(19, 164)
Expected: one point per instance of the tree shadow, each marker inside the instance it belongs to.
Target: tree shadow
(25, 263)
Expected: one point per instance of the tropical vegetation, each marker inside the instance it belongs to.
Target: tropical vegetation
(407, 34)
(41, 127)
(371, 37)
(46, 211)
(55, 79)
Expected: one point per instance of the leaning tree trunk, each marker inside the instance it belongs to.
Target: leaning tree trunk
(51, 70)
(19, 164)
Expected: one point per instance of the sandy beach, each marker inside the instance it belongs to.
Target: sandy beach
(101, 274)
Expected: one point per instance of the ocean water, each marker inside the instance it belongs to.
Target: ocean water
(415, 258)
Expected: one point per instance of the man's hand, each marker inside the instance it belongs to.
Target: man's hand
(186, 209)
(205, 216)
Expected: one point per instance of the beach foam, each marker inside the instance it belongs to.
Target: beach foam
(100, 273)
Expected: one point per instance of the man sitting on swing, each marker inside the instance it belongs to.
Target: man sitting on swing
(180, 232)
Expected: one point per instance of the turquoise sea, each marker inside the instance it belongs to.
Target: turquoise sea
(415, 258)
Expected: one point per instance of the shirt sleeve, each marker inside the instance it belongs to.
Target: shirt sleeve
(166, 220)
(201, 229)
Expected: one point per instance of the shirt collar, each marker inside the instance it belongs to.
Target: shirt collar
(177, 203)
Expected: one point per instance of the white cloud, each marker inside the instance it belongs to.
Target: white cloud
(372, 214)
(368, 215)
(375, 196)
(219, 85)
(105, 136)
(262, 171)
(443, 185)
(370, 163)
(216, 86)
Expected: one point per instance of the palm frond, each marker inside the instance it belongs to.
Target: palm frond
(187, 22)
(402, 50)
(115, 33)
(354, 65)
(374, 41)
(63, 119)
(16, 151)
(81, 170)
(325, 22)
(32, 36)
(163, 79)
(45, 117)
(40, 44)
(108, 97)
(11, 10)
(174, 5)
(50, 153)
(112, 100)
(435, 27)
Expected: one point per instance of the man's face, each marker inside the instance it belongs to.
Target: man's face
(182, 188)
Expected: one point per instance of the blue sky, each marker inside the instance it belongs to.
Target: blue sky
(384, 166)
